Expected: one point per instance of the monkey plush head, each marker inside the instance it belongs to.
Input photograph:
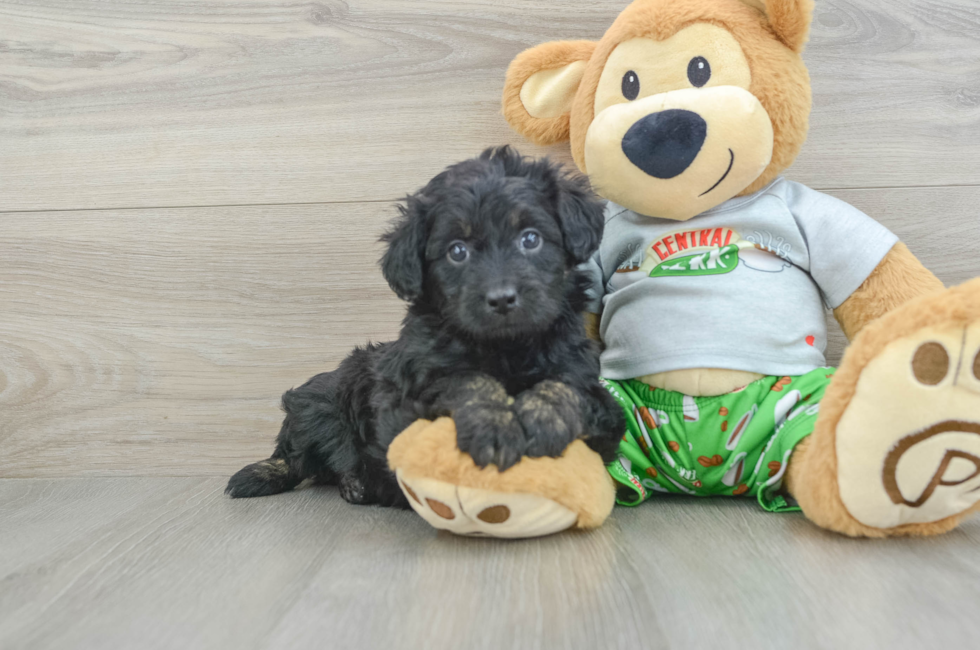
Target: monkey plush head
(680, 106)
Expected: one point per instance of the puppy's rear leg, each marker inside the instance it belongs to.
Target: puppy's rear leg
(316, 441)
(292, 461)
(269, 476)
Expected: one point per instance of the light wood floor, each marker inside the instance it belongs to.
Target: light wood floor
(171, 563)
(190, 199)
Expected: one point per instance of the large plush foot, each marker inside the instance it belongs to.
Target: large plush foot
(896, 450)
(535, 497)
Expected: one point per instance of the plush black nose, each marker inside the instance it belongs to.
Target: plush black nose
(664, 144)
(502, 300)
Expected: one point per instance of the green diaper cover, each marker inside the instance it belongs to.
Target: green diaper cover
(734, 444)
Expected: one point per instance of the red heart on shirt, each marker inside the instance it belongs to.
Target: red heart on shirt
(810, 340)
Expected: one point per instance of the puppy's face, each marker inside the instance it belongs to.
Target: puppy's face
(495, 257)
(490, 242)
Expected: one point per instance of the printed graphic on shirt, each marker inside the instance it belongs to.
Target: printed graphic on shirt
(711, 262)
(760, 259)
(630, 258)
(710, 251)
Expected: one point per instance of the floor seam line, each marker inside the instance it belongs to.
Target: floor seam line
(394, 200)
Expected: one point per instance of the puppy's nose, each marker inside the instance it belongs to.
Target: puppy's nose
(502, 299)
(664, 144)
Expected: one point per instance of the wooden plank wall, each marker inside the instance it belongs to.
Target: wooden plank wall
(191, 192)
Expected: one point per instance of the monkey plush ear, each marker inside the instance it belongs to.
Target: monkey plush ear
(540, 86)
(790, 19)
(403, 262)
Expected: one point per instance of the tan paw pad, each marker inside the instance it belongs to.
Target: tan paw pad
(908, 444)
(503, 514)
(471, 511)
(436, 502)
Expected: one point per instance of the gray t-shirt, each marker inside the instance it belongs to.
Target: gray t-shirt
(742, 286)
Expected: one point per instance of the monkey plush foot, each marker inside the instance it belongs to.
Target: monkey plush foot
(535, 497)
(896, 450)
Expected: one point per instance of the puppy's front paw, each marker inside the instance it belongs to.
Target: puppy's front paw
(550, 418)
(490, 433)
(353, 490)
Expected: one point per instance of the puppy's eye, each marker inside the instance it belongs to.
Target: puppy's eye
(458, 252)
(530, 239)
(631, 85)
(698, 71)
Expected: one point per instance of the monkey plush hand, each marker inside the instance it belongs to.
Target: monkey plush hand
(537, 496)
(713, 275)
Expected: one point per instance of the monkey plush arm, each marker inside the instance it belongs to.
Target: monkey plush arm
(898, 278)
(592, 326)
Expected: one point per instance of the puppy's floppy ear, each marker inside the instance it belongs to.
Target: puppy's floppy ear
(581, 216)
(403, 262)
(540, 86)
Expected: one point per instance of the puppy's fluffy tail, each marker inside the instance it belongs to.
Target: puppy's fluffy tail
(269, 476)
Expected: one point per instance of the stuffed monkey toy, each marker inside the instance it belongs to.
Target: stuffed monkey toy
(712, 280)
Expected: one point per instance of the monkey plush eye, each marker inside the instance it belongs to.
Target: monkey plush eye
(530, 239)
(698, 71)
(631, 85)
(458, 252)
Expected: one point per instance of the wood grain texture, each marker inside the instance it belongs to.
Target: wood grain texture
(141, 344)
(171, 563)
(157, 342)
(151, 103)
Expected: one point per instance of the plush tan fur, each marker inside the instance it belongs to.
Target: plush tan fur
(592, 327)
(812, 474)
(578, 480)
(779, 79)
(701, 382)
(548, 56)
(550, 93)
(790, 21)
(899, 277)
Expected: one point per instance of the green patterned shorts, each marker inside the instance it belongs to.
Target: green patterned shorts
(733, 444)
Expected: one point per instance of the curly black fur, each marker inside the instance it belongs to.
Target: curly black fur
(495, 340)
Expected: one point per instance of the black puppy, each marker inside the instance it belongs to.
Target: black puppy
(486, 256)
